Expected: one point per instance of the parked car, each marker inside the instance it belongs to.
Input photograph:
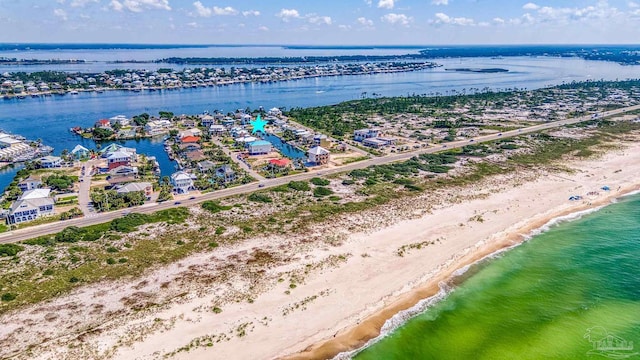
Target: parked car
(177, 203)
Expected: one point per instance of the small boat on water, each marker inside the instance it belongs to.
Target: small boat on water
(73, 92)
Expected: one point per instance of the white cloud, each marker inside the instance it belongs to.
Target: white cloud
(530, 6)
(498, 20)
(263, 28)
(633, 4)
(116, 5)
(139, 5)
(442, 18)
(344, 27)
(81, 3)
(251, 13)
(368, 2)
(192, 24)
(320, 20)
(61, 14)
(386, 4)
(601, 11)
(228, 10)
(440, 2)
(364, 21)
(202, 10)
(288, 14)
(400, 19)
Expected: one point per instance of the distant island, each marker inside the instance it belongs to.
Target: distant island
(485, 70)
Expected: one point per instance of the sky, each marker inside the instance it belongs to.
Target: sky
(321, 22)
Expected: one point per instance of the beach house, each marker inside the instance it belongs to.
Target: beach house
(49, 162)
(157, 127)
(103, 124)
(80, 152)
(121, 120)
(217, 130)
(31, 205)
(181, 182)
(226, 173)
(259, 147)
(318, 155)
(117, 159)
(144, 187)
(29, 184)
(207, 120)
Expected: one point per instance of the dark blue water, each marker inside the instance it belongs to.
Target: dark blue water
(286, 149)
(49, 118)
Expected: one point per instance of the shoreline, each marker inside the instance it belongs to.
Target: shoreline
(350, 341)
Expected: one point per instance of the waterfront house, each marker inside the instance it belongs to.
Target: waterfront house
(362, 134)
(217, 130)
(226, 173)
(118, 158)
(30, 206)
(206, 165)
(245, 119)
(157, 127)
(259, 147)
(80, 152)
(49, 162)
(228, 122)
(243, 141)
(207, 120)
(280, 163)
(274, 112)
(120, 120)
(182, 182)
(144, 187)
(103, 124)
(195, 155)
(111, 148)
(189, 147)
(189, 132)
(318, 155)
(29, 184)
(123, 171)
(190, 139)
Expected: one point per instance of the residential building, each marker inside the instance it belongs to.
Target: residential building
(360, 135)
(120, 120)
(281, 163)
(189, 132)
(49, 162)
(226, 173)
(206, 165)
(182, 182)
(245, 119)
(259, 147)
(80, 152)
(145, 187)
(157, 127)
(217, 130)
(322, 140)
(31, 205)
(124, 170)
(207, 120)
(195, 155)
(190, 139)
(318, 155)
(274, 112)
(117, 159)
(29, 184)
(103, 124)
(8, 141)
(374, 143)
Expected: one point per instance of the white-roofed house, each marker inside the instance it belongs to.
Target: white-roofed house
(259, 147)
(144, 187)
(29, 184)
(182, 182)
(49, 162)
(318, 155)
(118, 158)
(30, 206)
(80, 152)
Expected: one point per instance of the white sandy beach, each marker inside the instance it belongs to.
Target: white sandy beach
(347, 283)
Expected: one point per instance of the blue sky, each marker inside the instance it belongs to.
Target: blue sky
(348, 22)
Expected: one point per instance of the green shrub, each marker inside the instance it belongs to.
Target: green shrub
(111, 261)
(213, 244)
(319, 181)
(321, 191)
(123, 260)
(47, 272)
(8, 297)
(112, 249)
(256, 197)
(73, 280)
(10, 249)
(220, 230)
(299, 185)
(214, 207)
(348, 182)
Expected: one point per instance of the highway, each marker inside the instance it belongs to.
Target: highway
(50, 228)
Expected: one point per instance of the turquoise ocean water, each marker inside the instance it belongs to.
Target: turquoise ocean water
(553, 297)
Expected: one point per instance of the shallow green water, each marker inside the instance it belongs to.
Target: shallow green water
(538, 301)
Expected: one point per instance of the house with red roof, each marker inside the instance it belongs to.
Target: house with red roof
(280, 162)
(190, 139)
(103, 124)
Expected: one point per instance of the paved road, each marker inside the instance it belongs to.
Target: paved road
(85, 186)
(234, 156)
(35, 231)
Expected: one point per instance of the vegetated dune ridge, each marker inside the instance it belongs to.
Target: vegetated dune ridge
(313, 295)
